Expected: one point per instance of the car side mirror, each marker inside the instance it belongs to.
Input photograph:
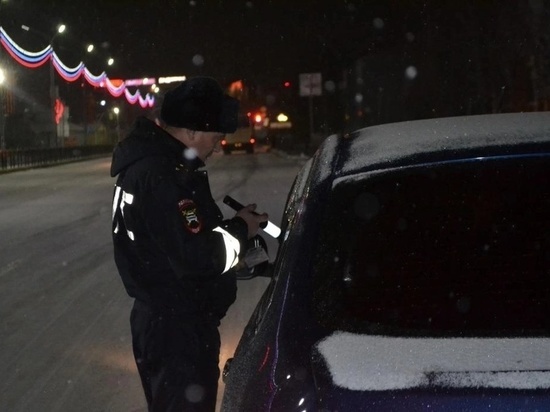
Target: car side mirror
(255, 261)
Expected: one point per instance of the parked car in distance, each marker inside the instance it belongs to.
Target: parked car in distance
(413, 274)
(242, 139)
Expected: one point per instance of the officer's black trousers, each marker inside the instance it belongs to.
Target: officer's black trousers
(177, 359)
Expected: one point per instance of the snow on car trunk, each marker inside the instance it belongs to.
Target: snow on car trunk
(375, 363)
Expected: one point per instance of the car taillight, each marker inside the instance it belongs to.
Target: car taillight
(224, 142)
(252, 140)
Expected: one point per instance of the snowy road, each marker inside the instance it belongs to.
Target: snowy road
(64, 334)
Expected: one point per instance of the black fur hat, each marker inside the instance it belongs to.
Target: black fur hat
(199, 103)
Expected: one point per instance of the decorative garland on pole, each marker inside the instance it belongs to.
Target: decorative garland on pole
(33, 60)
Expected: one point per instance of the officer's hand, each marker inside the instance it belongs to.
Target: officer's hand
(252, 219)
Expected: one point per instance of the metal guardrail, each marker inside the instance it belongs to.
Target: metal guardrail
(12, 160)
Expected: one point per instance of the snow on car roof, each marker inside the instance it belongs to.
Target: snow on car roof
(392, 143)
(375, 363)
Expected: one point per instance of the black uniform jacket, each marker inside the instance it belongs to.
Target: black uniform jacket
(172, 247)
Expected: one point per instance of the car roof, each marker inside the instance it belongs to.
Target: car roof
(433, 140)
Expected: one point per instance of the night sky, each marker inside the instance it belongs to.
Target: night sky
(384, 60)
(255, 41)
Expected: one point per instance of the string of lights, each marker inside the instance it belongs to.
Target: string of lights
(33, 60)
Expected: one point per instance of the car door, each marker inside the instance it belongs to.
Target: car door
(245, 376)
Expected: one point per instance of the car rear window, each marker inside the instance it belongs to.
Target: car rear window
(243, 121)
(459, 248)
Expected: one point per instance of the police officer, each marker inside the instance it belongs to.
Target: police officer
(173, 250)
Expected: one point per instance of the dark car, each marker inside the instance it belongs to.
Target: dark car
(413, 274)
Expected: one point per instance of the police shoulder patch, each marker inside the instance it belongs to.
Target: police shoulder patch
(191, 219)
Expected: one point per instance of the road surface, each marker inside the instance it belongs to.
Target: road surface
(64, 332)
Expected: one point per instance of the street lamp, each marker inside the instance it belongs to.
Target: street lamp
(92, 50)
(116, 111)
(85, 104)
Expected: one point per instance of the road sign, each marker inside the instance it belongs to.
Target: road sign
(310, 84)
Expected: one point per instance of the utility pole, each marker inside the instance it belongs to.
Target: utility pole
(54, 91)
(2, 109)
(53, 135)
